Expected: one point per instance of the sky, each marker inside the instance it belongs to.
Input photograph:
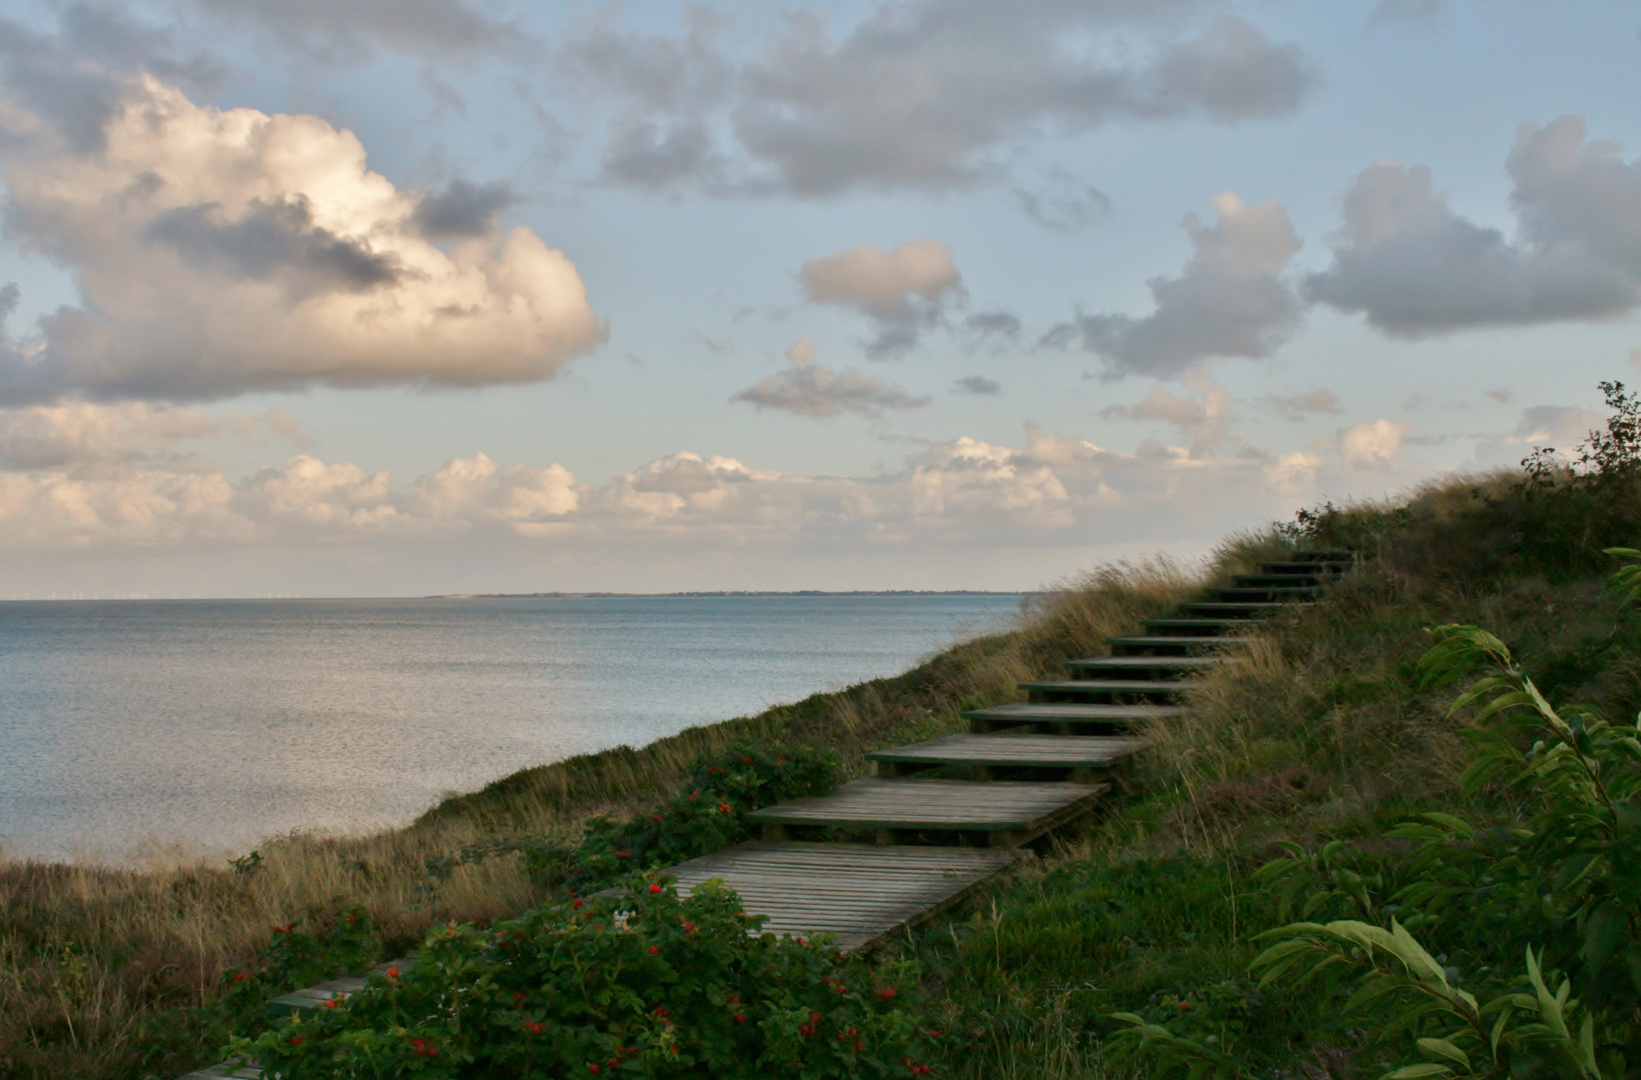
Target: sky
(411, 297)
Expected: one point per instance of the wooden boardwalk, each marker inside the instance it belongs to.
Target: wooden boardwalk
(1024, 770)
(860, 893)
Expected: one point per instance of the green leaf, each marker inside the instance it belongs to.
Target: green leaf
(1442, 1048)
(1456, 824)
(1414, 1072)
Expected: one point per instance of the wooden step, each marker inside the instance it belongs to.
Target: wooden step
(1310, 580)
(1268, 594)
(1001, 813)
(860, 893)
(1081, 754)
(1332, 570)
(1066, 718)
(1097, 688)
(1142, 645)
(1156, 667)
(1210, 609)
(1124, 690)
(1347, 557)
(310, 998)
(1181, 627)
(238, 1070)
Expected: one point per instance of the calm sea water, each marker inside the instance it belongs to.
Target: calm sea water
(210, 725)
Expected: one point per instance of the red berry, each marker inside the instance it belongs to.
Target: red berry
(655, 888)
(654, 950)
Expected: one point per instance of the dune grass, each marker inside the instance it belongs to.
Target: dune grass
(1321, 732)
(100, 966)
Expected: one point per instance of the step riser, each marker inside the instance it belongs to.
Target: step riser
(1263, 596)
(1198, 628)
(1173, 646)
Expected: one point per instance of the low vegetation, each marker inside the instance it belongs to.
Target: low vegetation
(1325, 809)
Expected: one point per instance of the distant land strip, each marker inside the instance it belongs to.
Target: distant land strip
(736, 592)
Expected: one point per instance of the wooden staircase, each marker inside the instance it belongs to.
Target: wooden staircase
(882, 853)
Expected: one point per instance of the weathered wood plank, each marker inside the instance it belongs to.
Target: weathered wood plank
(1125, 663)
(1003, 750)
(238, 1070)
(1075, 712)
(934, 805)
(858, 892)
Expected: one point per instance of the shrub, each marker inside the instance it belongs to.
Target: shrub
(324, 946)
(1520, 916)
(708, 815)
(650, 984)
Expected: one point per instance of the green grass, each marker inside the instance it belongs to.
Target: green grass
(1321, 733)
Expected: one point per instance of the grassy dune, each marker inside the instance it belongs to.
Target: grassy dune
(1322, 732)
(95, 962)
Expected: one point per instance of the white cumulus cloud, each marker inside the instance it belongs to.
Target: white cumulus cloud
(222, 251)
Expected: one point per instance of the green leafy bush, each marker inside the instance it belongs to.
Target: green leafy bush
(1535, 920)
(650, 984)
(707, 815)
(324, 946)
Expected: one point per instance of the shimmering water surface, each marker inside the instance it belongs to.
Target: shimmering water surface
(210, 725)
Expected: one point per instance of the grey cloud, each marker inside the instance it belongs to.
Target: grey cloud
(990, 324)
(1231, 72)
(463, 208)
(813, 390)
(273, 240)
(977, 384)
(930, 94)
(1414, 267)
(1063, 203)
(654, 72)
(333, 31)
(1502, 395)
(1229, 300)
(1295, 406)
(641, 153)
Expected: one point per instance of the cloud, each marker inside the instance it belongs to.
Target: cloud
(810, 389)
(977, 384)
(1371, 445)
(220, 252)
(1414, 267)
(1054, 491)
(51, 436)
(1557, 427)
(1295, 406)
(1292, 472)
(926, 94)
(1205, 419)
(71, 434)
(463, 209)
(1062, 203)
(333, 32)
(1502, 395)
(899, 289)
(1229, 300)
(994, 324)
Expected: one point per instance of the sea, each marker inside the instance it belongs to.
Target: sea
(141, 730)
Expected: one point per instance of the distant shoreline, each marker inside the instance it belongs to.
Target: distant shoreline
(736, 592)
